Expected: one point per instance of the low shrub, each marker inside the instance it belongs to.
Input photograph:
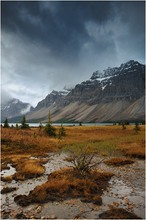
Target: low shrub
(119, 161)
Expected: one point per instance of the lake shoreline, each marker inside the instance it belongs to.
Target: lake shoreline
(36, 125)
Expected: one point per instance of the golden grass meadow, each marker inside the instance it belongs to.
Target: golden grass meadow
(115, 145)
(19, 145)
(101, 139)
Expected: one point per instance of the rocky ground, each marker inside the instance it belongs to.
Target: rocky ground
(126, 190)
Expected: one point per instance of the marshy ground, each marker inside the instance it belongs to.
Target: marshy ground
(38, 181)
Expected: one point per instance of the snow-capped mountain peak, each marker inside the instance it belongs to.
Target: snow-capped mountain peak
(13, 108)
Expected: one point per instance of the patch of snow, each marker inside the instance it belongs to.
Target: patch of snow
(127, 68)
(64, 92)
(103, 87)
(104, 78)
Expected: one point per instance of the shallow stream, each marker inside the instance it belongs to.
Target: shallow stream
(125, 190)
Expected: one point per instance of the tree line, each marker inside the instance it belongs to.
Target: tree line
(49, 129)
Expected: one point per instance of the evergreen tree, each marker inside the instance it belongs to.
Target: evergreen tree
(40, 126)
(6, 124)
(123, 126)
(49, 129)
(23, 123)
(136, 128)
(17, 126)
(49, 118)
(61, 132)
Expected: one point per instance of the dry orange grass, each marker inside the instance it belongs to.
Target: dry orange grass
(85, 133)
(102, 138)
(15, 159)
(7, 178)
(118, 161)
(30, 141)
(64, 184)
(133, 149)
(108, 139)
(31, 168)
(25, 167)
(4, 167)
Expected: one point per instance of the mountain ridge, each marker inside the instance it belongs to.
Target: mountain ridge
(113, 94)
(14, 108)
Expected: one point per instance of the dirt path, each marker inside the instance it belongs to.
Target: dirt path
(126, 190)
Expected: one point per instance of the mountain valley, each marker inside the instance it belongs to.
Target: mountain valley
(114, 94)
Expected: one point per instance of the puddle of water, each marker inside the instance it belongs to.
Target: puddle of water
(9, 172)
(24, 187)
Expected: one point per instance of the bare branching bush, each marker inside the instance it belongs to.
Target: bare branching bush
(83, 160)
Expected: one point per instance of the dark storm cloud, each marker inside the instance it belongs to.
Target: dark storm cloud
(61, 28)
(132, 16)
(46, 44)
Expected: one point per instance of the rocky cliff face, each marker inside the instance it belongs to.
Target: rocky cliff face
(113, 84)
(14, 108)
(53, 98)
(113, 94)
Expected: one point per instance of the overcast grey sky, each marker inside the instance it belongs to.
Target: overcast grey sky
(47, 45)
